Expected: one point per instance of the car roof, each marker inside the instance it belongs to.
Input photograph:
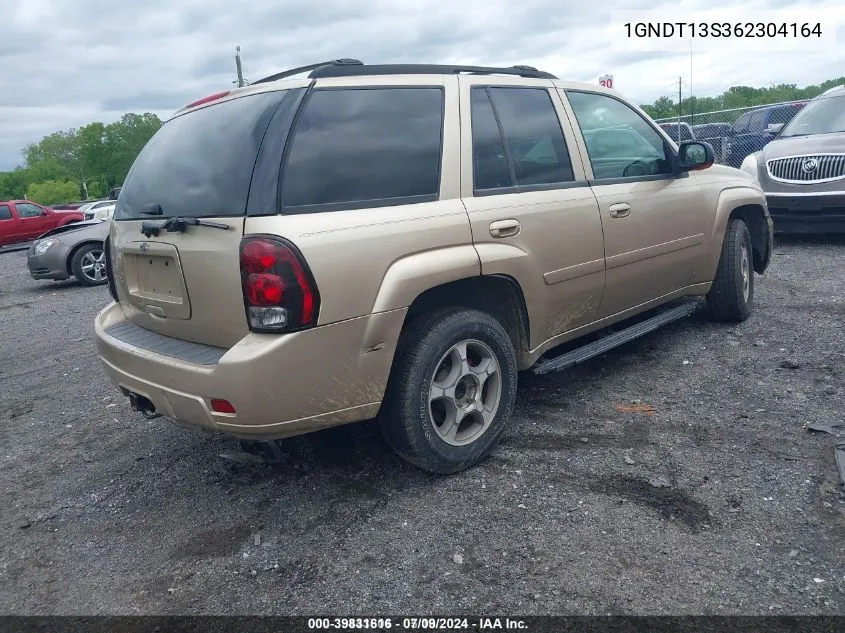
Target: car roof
(350, 68)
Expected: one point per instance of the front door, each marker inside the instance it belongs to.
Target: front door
(654, 220)
(34, 220)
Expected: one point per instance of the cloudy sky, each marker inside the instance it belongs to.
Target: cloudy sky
(65, 63)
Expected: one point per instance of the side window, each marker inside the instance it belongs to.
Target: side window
(534, 140)
(361, 147)
(741, 126)
(603, 119)
(489, 161)
(28, 210)
(5, 212)
(756, 124)
(783, 115)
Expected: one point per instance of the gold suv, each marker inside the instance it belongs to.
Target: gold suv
(398, 242)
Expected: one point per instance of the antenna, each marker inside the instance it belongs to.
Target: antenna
(240, 79)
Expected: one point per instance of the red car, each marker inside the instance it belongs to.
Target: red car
(22, 221)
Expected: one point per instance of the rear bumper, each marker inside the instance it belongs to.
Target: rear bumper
(807, 214)
(280, 385)
(49, 265)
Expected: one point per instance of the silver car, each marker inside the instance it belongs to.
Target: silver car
(802, 171)
(74, 250)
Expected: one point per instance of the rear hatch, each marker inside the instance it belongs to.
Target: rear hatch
(184, 281)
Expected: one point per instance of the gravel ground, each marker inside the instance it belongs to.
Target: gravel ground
(671, 476)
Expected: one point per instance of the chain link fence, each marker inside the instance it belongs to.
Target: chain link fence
(734, 133)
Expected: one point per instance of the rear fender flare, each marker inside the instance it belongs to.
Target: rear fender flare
(410, 276)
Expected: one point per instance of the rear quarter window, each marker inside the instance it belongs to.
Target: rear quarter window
(5, 212)
(355, 148)
(200, 163)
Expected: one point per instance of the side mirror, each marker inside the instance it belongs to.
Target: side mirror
(695, 155)
(774, 128)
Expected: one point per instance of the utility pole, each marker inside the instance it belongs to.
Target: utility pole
(691, 99)
(238, 66)
(680, 80)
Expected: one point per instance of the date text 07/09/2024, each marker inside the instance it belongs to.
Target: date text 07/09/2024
(418, 624)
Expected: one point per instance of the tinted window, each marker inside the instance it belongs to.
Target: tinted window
(200, 163)
(756, 124)
(532, 132)
(783, 115)
(28, 210)
(5, 212)
(682, 133)
(489, 161)
(742, 124)
(354, 148)
(708, 131)
(603, 121)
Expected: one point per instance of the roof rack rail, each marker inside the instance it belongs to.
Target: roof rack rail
(302, 69)
(356, 70)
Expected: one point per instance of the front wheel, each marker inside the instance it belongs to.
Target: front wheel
(731, 297)
(451, 391)
(89, 265)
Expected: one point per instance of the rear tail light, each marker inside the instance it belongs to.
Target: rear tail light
(280, 294)
(107, 251)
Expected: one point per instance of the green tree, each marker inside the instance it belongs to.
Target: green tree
(125, 139)
(737, 97)
(13, 184)
(63, 149)
(52, 191)
(96, 156)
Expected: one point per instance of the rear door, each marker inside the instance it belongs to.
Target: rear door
(532, 213)
(186, 283)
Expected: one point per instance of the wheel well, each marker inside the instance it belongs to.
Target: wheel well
(755, 219)
(76, 248)
(497, 295)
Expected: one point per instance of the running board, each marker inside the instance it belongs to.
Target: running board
(607, 343)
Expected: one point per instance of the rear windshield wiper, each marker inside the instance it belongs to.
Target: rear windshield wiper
(178, 225)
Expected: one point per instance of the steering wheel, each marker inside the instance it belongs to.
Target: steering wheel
(637, 168)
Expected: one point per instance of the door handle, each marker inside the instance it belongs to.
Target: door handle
(504, 228)
(620, 210)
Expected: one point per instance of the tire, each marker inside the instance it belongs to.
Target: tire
(418, 423)
(88, 265)
(731, 298)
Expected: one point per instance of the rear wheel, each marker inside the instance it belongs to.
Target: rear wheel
(451, 392)
(731, 297)
(89, 265)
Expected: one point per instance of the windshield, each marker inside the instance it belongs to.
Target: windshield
(200, 164)
(822, 116)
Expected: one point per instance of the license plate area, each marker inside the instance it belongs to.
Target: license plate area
(155, 280)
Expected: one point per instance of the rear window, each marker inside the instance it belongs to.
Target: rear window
(364, 147)
(200, 164)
